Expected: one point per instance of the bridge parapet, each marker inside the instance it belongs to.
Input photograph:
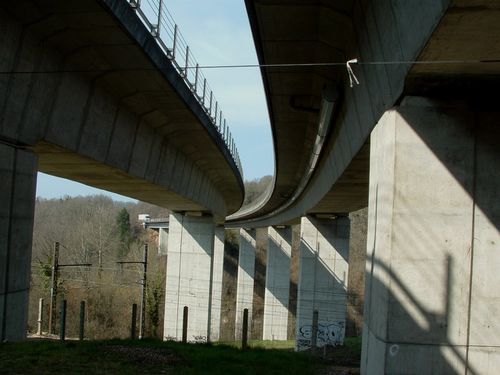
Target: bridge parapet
(160, 22)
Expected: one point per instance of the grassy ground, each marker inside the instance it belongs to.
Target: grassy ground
(124, 357)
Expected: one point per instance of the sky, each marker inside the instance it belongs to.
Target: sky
(218, 33)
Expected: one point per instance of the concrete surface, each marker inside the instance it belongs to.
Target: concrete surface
(17, 193)
(102, 105)
(276, 302)
(356, 279)
(217, 273)
(323, 273)
(432, 300)
(190, 259)
(245, 286)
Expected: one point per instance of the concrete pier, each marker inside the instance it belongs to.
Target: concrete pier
(18, 169)
(432, 296)
(276, 302)
(190, 272)
(323, 273)
(216, 294)
(246, 271)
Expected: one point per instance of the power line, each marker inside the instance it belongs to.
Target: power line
(243, 66)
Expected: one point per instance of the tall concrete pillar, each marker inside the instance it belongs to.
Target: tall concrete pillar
(277, 284)
(246, 271)
(18, 170)
(217, 272)
(162, 241)
(323, 273)
(432, 286)
(190, 261)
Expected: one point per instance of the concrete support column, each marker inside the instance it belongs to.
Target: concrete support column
(323, 272)
(18, 170)
(190, 262)
(277, 284)
(432, 286)
(246, 271)
(217, 272)
(162, 241)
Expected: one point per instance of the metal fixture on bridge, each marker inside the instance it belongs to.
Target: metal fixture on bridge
(162, 26)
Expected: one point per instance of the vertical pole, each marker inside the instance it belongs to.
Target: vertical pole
(143, 297)
(204, 89)
(196, 78)
(210, 108)
(216, 110)
(40, 317)
(133, 322)
(175, 42)
(160, 10)
(62, 336)
(185, 324)
(244, 334)
(53, 287)
(220, 120)
(82, 321)
(186, 63)
(314, 333)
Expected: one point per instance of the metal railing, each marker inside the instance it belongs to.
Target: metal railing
(158, 19)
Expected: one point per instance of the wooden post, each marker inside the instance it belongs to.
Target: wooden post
(185, 324)
(63, 321)
(40, 317)
(133, 323)
(244, 334)
(314, 333)
(82, 320)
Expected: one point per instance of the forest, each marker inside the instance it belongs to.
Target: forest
(101, 245)
(98, 231)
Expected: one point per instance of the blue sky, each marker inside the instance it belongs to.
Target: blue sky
(218, 33)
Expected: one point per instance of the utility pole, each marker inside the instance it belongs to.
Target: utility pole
(144, 263)
(143, 302)
(53, 283)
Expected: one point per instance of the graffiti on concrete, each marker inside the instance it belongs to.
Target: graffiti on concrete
(328, 334)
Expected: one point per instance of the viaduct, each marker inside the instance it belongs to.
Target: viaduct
(92, 91)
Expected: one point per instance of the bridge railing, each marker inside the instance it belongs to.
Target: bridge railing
(160, 22)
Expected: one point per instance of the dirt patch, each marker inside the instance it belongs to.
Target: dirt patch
(339, 370)
(144, 355)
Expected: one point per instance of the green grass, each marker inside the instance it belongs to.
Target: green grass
(100, 357)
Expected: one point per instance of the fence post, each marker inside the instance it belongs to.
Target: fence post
(314, 333)
(63, 321)
(40, 317)
(185, 324)
(134, 321)
(244, 334)
(82, 321)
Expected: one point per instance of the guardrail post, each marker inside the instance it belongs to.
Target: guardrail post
(204, 90)
(210, 108)
(186, 63)
(174, 46)
(196, 78)
(158, 25)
